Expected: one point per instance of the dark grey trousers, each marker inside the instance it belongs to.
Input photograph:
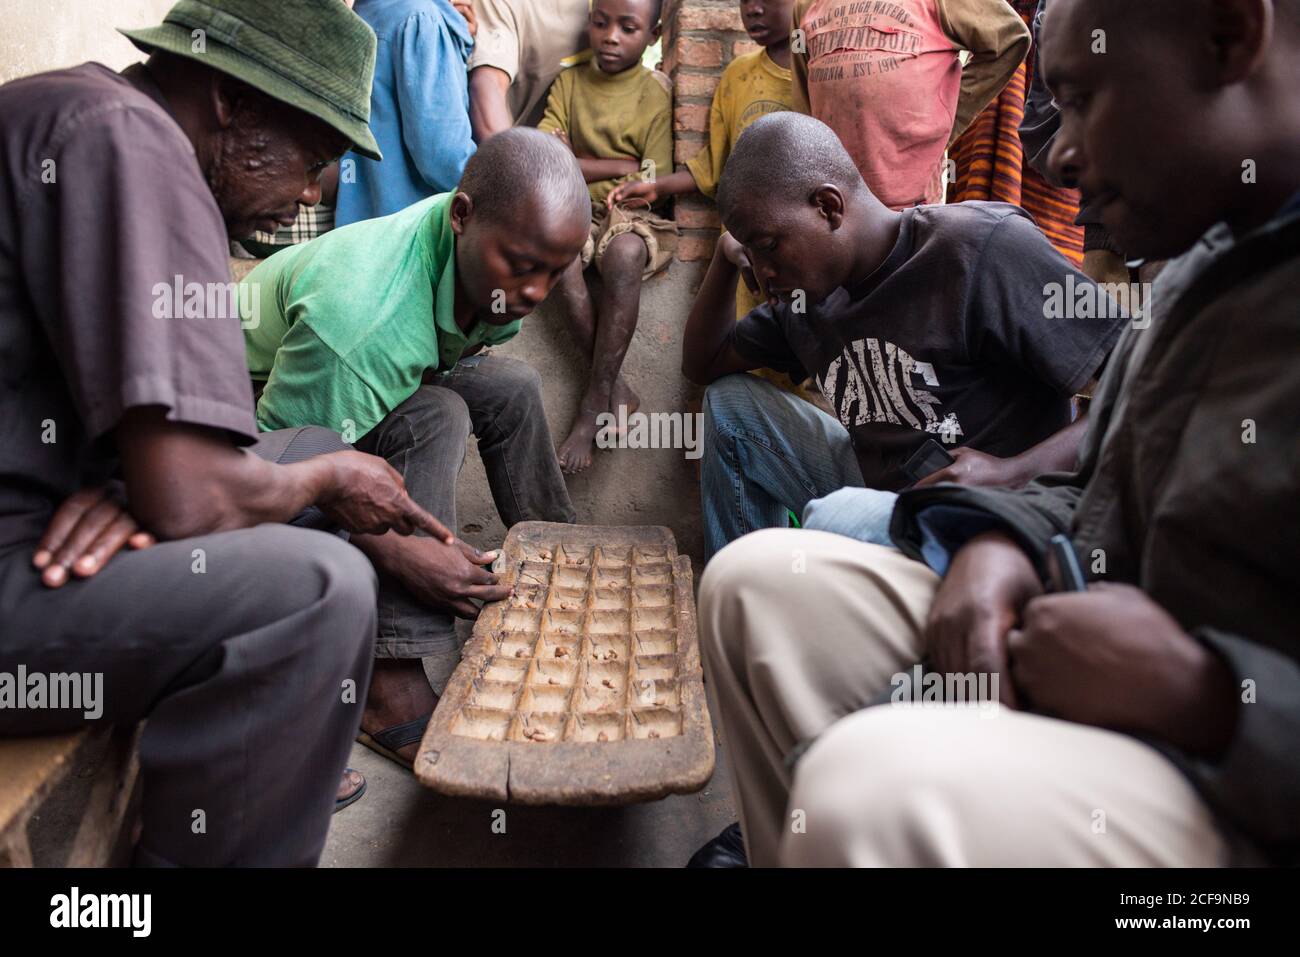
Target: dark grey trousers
(499, 400)
(249, 654)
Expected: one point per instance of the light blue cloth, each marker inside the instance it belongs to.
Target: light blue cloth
(946, 528)
(861, 513)
(419, 109)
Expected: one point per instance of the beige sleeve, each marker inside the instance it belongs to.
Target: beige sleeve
(497, 42)
(998, 41)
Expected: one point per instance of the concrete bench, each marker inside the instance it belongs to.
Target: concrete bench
(106, 769)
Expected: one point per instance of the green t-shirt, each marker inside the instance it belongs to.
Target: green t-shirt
(624, 116)
(347, 324)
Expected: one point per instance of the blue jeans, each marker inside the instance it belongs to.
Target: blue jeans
(861, 513)
(766, 451)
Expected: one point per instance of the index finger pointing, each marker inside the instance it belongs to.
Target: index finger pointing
(419, 518)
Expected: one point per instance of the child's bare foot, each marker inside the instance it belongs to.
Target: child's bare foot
(575, 451)
(623, 395)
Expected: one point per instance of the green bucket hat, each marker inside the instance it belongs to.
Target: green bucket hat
(316, 55)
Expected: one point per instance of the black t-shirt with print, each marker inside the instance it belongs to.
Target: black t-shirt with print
(957, 336)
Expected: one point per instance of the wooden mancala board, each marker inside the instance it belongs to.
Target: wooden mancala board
(583, 688)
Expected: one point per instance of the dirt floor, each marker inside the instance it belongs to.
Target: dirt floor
(399, 823)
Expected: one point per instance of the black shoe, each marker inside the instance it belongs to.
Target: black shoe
(725, 850)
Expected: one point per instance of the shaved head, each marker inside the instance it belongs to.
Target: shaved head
(792, 196)
(785, 156)
(521, 215)
(523, 171)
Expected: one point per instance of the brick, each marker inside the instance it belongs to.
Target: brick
(692, 117)
(686, 145)
(697, 214)
(696, 244)
(710, 18)
(741, 47)
(670, 58)
(696, 84)
(691, 51)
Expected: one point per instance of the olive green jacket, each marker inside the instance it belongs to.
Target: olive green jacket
(1189, 488)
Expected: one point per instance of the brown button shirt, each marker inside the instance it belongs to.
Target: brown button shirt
(113, 285)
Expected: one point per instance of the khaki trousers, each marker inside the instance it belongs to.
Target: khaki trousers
(800, 629)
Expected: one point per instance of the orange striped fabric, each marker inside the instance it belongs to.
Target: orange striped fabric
(991, 163)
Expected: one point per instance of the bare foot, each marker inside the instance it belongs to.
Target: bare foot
(349, 784)
(623, 395)
(575, 452)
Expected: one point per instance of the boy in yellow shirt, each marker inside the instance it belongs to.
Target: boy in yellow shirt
(616, 116)
(753, 85)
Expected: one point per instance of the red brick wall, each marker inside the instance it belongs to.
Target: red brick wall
(700, 38)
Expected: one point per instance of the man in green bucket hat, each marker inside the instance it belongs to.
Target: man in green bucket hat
(308, 64)
(318, 57)
(141, 547)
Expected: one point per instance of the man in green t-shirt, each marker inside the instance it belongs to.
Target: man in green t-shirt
(372, 330)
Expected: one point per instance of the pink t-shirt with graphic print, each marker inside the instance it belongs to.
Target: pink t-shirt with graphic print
(886, 78)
